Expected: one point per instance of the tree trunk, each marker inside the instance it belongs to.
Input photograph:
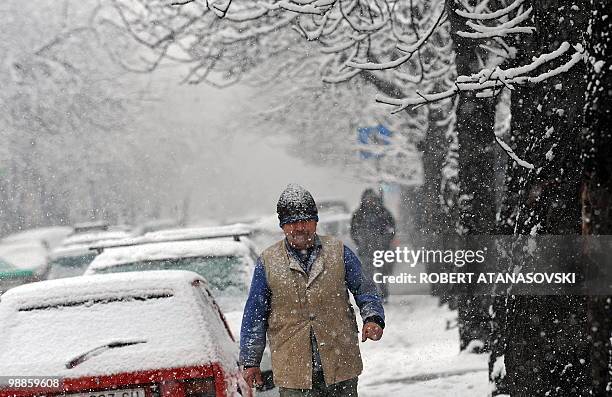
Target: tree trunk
(547, 346)
(433, 221)
(522, 125)
(475, 132)
(597, 184)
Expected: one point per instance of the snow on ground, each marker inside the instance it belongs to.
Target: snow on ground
(418, 356)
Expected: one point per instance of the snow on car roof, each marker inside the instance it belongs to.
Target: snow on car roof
(268, 222)
(52, 235)
(48, 324)
(30, 255)
(84, 238)
(66, 289)
(193, 233)
(202, 232)
(71, 250)
(167, 250)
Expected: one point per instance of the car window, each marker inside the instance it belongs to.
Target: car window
(226, 275)
(206, 302)
(70, 266)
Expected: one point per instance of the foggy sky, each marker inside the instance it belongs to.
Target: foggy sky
(238, 170)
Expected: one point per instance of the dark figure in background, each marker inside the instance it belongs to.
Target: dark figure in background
(373, 229)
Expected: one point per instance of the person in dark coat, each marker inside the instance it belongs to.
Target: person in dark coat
(373, 229)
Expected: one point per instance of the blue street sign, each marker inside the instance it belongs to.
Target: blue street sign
(378, 135)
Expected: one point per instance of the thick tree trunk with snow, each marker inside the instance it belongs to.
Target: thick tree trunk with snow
(433, 221)
(547, 346)
(475, 123)
(434, 149)
(522, 126)
(597, 185)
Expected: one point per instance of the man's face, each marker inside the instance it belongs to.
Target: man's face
(301, 234)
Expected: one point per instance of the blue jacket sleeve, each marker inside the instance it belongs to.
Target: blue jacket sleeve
(255, 318)
(363, 289)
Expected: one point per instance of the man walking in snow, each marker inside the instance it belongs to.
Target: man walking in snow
(299, 298)
(373, 229)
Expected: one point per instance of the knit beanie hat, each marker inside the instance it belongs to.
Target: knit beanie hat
(296, 204)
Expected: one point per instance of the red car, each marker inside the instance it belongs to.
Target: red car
(137, 334)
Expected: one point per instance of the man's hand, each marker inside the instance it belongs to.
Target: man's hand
(252, 376)
(371, 331)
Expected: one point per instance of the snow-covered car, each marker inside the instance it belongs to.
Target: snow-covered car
(69, 261)
(222, 255)
(93, 226)
(266, 231)
(335, 224)
(25, 262)
(226, 264)
(143, 334)
(334, 218)
(95, 236)
(333, 205)
(238, 232)
(72, 258)
(11, 276)
(50, 237)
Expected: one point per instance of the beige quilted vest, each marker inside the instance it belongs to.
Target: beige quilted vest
(320, 301)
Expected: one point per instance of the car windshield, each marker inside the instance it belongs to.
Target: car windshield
(226, 275)
(69, 266)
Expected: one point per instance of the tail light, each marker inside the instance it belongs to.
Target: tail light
(203, 387)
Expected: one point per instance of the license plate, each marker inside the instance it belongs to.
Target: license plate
(111, 393)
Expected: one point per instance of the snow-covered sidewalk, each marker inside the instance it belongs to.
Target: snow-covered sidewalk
(419, 357)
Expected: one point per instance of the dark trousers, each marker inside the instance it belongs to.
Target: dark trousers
(347, 388)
